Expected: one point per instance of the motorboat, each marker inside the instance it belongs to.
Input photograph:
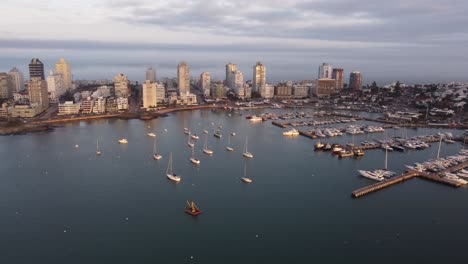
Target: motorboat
(292, 132)
(151, 135)
(123, 141)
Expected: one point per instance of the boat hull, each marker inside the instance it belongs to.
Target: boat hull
(174, 178)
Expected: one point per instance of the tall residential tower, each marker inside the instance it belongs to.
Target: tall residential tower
(183, 76)
(355, 81)
(259, 76)
(36, 69)
(63, 67)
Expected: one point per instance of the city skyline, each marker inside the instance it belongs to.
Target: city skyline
(387, 41)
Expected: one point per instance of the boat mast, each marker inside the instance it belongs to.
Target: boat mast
(206, 142)
(246, 142)
(438, 151)
(154, 146)
(386, 158)
(169, 166)
(229, 140)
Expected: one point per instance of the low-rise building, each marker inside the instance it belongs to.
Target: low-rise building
(87, 106)
(300, 91)
(283, 92)
(69, 108)
(99, 105)
(21, 97)
(325, 87)
(188, 99)
(4, 111)
(26, 111)
(111, 105)
(122, 104)
(160, 92)
(267, 91)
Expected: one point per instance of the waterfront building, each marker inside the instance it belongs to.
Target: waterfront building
(55, 86)
(63, 67)
(69, 108)
(300, 90)
(218, 90)
(231, 69)
(111, 105)
(99, 105)
(324, 87)
(259, 77)
(205, 83)
(338, 75)
(21, 97)
(247, 91)
(238, 83)
(183, 77)
(283, 91)
(4, 111)
(160, 92)
(37, 89)
(151, 75)
(87, 105)
(149, 94)
(17, 79)
(6, 86)
(188, 99)
(267, 91)
(355, 81)
(122, 104)
(26, 111)
(121, 88)
(325, 71)
(36, 69)
(102, 91)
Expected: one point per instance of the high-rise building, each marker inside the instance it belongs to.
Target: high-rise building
(259, 76)
(36, 69)
(17, 79)
(160, 92)
(338, 75)
(63, 67)
(325, 71)
(355, 81)
(238, 80)
(231, 69)
(6, 86)
(205, 83)
(151, 75)
(218, 90)
(38, 92)
(55, 86)
(150, 99)
(121, 88)
(183, 76)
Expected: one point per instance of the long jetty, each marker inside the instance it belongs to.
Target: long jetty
(410, 174)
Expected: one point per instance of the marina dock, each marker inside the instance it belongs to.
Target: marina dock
(410, 174)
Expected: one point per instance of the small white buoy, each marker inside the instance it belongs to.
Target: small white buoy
(256, 235)
(126, 218)
(191, 257)
(64, 231)
(165, 130)
(77, 146)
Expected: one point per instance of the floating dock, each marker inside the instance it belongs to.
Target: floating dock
(410, 174)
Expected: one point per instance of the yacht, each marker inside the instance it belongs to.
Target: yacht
(245, 178)
(446, 140)
(205, 131)
(189, 142)
(345, 154)
(98, 150)
(371, 175)
(319, 146)
(151, 135)
(195, 136)
(228, 147)
(246, 153)
(156, 156)
(292, 132)
(123, 141)
(218, 134)
(186, 130)
(256, 119)
(358, 152)
(193, 159)
(337, 150)
(170, 173)
(327, 147)
(233, 133)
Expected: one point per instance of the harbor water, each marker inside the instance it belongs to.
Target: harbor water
(60, 203)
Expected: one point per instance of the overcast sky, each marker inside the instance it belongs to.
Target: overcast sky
(408, 40)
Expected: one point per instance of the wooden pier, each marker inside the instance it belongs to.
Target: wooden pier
(410, 174)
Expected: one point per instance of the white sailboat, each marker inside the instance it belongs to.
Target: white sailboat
(229, 148)
(205, 147)
(98, 150)
(156, 156)
(189, 142)
(123, 141)
(193, 159)
(246, 153)
(245, 178)
(170, 173)
(151, 134)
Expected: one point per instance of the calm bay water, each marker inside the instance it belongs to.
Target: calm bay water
(61, 204)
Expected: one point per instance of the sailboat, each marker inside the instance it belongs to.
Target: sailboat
(193, 159)
(246, 153)
(229, 148)
(190, 143)
(245, 179)
(205, 147)
(98, 151)
(170, 173)
(156, 156)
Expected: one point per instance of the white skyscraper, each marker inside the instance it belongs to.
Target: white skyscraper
(238, 79)
(325, 71)
(150, 99)
(55, 86)
(63, 67)
(183, 76)
(259, 76)
(17, 79)
(160, 92)
(121, 85)
(151, 75)
(205, 83)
